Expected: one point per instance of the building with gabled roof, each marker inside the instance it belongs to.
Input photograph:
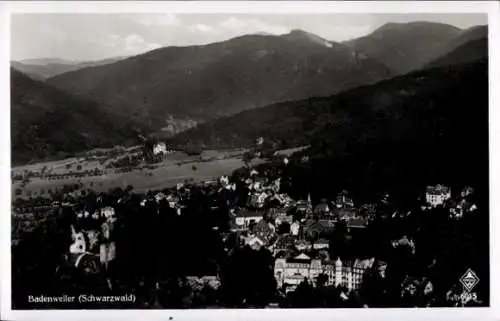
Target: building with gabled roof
(321, 244)
(245, 217)
(254, 241)
(289, 273)
(322, 208)
(343, 200)
(437, 195)
(357, 223)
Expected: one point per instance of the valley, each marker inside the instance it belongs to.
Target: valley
(177, 167)
(255, 170)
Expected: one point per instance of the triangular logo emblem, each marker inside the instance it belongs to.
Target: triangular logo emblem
(469, 280)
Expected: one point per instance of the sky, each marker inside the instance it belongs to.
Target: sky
(86, 37)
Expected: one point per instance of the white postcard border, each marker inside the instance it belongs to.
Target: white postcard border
(285, 7)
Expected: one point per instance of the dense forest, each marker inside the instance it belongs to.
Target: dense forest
(426, 127)
(47, 122)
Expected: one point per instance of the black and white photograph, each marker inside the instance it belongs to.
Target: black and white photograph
(170, 160)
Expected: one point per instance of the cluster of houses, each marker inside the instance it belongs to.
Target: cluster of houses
(270, 219)
(294, 231)
(440, 196)
(93, 247)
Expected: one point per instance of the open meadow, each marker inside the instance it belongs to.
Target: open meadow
(176, 168)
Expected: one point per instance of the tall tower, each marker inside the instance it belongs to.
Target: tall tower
(309, 204)
(79, 245)
(338, 272)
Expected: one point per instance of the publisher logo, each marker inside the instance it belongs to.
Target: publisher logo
(469, 280)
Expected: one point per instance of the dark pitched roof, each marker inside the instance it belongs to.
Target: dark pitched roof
(318, 225)
(357, 222)
(301, 258)
(323, 207)
(350, 212)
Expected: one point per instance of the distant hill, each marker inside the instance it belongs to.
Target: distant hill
(46, 122)
(470, 45)
(48, 61)
(467, 52)
(465, 36)
(42, 69)
(405, 47)
(219, 79)
(430, 124)
(423, 128)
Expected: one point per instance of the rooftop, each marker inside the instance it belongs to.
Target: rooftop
(438, 189)
(323, 207)
(302, 256)
(250, 213)
(357, 222)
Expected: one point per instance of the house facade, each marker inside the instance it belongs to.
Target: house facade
(257, 199)
(295, 228)
(289, 273)
(321, 244)
(255, 242)
(343, 200)
(244, 218)
(437, 195)
(159, 148)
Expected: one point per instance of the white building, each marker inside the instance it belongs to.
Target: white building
(437, 195)
(95, 215)
(82, 214)
(343, 200)
(257, 199)
(291, 272)
(79, 245)
(159, 148)
(159, 197)
(254, 241)
(321, 244)
(224, 180)
(246, 217)
(108, 212)
(295, 228)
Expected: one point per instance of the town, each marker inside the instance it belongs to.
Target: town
(248, 240)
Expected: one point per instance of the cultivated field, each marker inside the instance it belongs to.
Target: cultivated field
(176, 168)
